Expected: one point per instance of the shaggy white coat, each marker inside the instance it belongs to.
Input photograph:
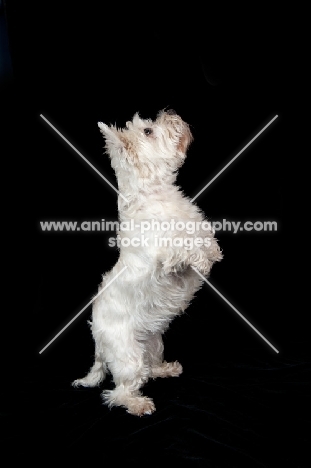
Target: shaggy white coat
(130, 316)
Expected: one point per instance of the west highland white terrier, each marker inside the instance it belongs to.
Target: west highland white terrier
(165, 238)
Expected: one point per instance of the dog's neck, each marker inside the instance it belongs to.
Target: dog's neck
(136, 188)
(143, 199)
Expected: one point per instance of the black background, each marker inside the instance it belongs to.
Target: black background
(227, 73)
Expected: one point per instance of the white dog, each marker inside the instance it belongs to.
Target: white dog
(132, 313)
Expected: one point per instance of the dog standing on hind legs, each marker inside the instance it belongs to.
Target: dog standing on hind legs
(158, 283)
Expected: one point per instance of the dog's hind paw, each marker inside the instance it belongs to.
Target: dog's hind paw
(167, 369)
(141, 406)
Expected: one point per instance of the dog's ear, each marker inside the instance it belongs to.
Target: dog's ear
(110, 134)
(112, 137)
(137, 122)
(116, 141)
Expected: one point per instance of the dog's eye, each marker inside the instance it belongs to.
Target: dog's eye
(148, 131)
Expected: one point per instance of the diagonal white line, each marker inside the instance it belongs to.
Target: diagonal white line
(236, 156)
(82, 310)
(84, 158)
(235, 310)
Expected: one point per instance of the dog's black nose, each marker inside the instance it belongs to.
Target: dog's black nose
(171, 112)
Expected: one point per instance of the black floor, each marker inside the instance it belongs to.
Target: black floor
(246, 408)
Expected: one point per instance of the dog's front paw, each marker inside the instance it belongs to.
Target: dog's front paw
(169, 267)
(202, 266)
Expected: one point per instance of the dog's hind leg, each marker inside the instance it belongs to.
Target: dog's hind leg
(96, 374)
(158, 367)
(130, 372)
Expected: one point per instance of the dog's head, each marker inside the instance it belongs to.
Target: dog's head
(148, 148)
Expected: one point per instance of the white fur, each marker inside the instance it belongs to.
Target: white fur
(130, 316)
